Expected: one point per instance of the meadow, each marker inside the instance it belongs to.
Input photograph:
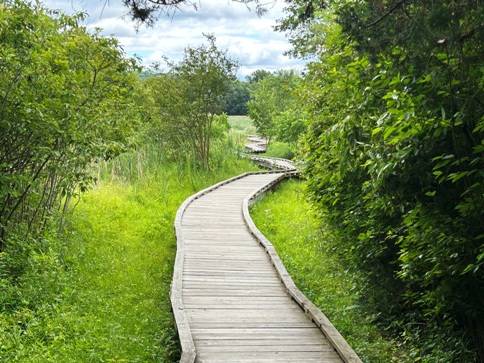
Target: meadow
(99, 291)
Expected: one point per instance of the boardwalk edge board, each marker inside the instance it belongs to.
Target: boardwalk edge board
(334, 337)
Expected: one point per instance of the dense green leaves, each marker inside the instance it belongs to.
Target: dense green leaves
(65, 102)
(185, 103)
(273, 106)
(394, 159)
(236, 98)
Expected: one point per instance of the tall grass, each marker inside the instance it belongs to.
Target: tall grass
(280, 149)
(286, 220)
(100, 291)
(242, 124)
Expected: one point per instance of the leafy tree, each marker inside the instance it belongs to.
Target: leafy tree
(273, 106)
(236, 98)
(66, 102)
(394, 159)
(257, 75)
(186, 101)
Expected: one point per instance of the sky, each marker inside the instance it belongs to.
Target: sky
(248, 38)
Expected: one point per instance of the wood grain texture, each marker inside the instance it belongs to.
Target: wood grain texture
(232, 298)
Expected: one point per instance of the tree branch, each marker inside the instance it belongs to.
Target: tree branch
(388, 13)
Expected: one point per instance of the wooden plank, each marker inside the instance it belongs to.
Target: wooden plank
(267, 314)
(234, 293)
(257, 333)
(248, 342)
(261, 300)
(302, 356)
(237, 306)
(249, 324)
(275, 347)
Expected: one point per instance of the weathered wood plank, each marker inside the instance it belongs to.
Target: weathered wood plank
(210, 356)
(295, 342)
(252, 292)
(275, 347)
(257, 333)
(250, 324)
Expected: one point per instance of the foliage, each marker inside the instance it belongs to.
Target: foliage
(100, 292)
(394, 158)
(273, 107)
(65, 103)
(184, 103)
(236, 98)
(278, 149)
(303, 28)
(257, 75)
(306, 249)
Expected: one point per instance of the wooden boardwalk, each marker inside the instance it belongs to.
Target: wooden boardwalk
(273, 163)
(232, 298)
(256, 145)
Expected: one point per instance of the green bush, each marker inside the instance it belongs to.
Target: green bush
(306, 248)
(394, 161)
(279, 149)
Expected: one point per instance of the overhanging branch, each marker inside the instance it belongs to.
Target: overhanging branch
(388, 13)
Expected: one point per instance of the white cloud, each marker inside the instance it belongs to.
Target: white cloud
(247, 37)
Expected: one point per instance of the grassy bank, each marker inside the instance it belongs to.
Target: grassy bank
(100, 291)
(286, 220)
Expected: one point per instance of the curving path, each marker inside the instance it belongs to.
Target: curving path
(232, 298)
(256, 144)
(273, 163)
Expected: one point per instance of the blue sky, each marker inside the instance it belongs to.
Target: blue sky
(247, 37)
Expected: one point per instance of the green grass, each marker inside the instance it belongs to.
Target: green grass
(240, 128)
(285, 218)
(242, 124)
(121, 252)
(100, 293)
(279, 149)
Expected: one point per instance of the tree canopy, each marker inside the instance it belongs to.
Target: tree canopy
(273, 105)
(236, 98)
(187, 101)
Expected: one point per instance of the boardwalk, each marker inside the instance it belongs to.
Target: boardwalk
(232, 298)
(273, 163)
(256, 145)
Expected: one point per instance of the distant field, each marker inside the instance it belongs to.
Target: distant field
(242, 124)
